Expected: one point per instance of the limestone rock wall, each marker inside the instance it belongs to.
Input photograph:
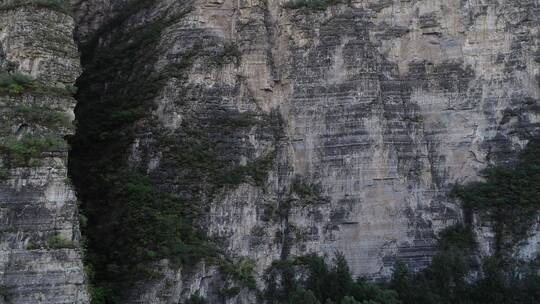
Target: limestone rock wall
(370, 111)
(40, 256)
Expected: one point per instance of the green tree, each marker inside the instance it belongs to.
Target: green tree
(303, 296)
(196, 298)
(509, 198)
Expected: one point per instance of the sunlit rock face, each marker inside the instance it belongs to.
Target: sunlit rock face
(368, 112)
(40, 259)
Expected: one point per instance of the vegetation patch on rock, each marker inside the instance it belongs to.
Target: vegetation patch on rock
(509, 198)
(17, 83)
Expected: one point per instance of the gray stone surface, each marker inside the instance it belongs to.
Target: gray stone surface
(37, 202)
(382, 105)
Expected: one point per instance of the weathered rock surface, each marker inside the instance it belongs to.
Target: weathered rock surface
(40, 259)
(370, 111)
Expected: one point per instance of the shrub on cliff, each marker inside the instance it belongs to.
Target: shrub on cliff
(509, 198)
(59, 242)
(24, 151)
(14, 83)
(196, 298)
(303, 296)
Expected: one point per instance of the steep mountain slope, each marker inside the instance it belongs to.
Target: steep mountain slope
(279, 129)
(215, 137)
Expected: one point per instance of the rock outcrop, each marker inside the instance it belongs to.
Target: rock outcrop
(40, 259)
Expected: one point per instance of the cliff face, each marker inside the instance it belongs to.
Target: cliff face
(296, 128)
(280, 128)
(39, 257)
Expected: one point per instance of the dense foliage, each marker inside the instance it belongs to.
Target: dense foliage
(453, 277)
(16, 83)
(148, 225)
(20, 152)
(38, 128)
(509, 198)
(320, 283)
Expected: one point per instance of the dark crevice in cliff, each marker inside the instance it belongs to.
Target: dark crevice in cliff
(137, 215)
(130, 221)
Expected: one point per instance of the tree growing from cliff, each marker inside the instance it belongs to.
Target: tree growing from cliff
(509, 198)
(321, 283)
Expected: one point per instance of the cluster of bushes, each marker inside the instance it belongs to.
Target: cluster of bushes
(24, 151)
(59, 242)
(3, 173)
(320, 283)
(453, 277)
(307, 193)
(16, 83)
(148, 225)
(51, 118)
(196, 298)
(235, 276)
(254, 172)
(54, 242)
(509, 198)
(63, 6)
(241, 271)
(229, 54)
(199, 158)
(4, 294)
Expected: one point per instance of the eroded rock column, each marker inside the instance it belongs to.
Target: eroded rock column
(40, 256)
